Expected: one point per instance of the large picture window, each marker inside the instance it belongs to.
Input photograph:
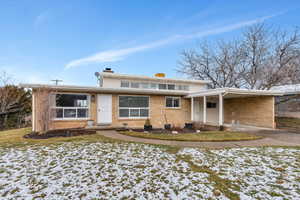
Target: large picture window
(71, 106)
(133, 107)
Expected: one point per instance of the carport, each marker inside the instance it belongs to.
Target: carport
(232, 106)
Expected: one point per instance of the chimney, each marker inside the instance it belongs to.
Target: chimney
(108, 69)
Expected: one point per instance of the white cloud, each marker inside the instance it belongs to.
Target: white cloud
(119, 54)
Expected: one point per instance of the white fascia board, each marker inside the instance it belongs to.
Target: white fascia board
(224, 91)
(102, 90)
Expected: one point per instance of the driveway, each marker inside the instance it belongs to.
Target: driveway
(271, 138)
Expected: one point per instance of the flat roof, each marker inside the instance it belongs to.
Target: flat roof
(97, 89)
(234, 91)
(140, 77)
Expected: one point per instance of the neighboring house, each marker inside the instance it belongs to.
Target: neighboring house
(129, 100)
(288, 105)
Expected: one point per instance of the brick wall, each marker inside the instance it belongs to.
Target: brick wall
(254, 111)
(158, 112)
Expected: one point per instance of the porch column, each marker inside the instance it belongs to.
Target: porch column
(221, 110)
(33, 111)
(204, 109)
(192, 108)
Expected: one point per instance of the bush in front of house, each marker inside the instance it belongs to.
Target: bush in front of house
(147, 125)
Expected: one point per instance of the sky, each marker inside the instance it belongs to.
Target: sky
(71, 39)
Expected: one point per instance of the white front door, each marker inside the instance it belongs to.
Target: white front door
(104, 105)
(197, 114)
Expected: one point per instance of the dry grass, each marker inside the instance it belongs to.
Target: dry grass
(14, 137)
(206, 136)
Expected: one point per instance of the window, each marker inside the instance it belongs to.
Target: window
(171, 87)
(173, 102)
(211, 105)
(185, 87)
(162, 86)
(133, 106)
(145, 85)
(153, 86)
(125, 84)
(71, 106)
(135, 85)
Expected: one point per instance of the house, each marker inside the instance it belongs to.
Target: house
(120, 100)
(287, 105)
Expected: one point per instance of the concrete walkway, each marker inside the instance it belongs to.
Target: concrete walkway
(291, 139)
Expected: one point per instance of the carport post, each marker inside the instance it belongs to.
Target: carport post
(192, 109)
(204, 109)
(221, 110)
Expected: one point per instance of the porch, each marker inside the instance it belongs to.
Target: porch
(234, 108)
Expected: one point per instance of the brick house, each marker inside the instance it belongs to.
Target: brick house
(129, 100)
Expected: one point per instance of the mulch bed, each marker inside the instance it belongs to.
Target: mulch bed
(179, 130)
(60, 133)
(160, 131)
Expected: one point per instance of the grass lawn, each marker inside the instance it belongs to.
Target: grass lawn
(14, 137)
(205, 136)
(94, 167)
(287, 122)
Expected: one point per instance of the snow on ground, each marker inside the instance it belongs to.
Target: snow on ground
(139, 171)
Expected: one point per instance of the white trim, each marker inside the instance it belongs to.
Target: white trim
(221, 116)
(192, 109)
(148, 108)
(33, 112)
(87, 89)
(224, 91)
(176, 97)
(204, 110)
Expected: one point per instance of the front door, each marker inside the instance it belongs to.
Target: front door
(104, 105)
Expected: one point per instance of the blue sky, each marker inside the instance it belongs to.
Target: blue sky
(70, 40)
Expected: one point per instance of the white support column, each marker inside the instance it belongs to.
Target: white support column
(221, 115)
(33, 111)
(192, 109)
(204, 109)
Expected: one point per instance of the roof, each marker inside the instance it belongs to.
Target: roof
(287, 89)
(74, 88)
(140, 77)
(234, 92)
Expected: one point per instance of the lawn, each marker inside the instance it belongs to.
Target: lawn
(205, 136)
(12, 138)
(93, 167)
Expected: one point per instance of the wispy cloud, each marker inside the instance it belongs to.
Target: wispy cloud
(119, 54)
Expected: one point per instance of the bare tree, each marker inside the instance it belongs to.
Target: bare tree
(262, 58)
(221, 64)
(14, 101)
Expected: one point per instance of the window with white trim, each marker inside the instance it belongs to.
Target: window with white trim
(173, 102)
(133, 107)
(125, 84)
(71, 106)
(152, 85)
